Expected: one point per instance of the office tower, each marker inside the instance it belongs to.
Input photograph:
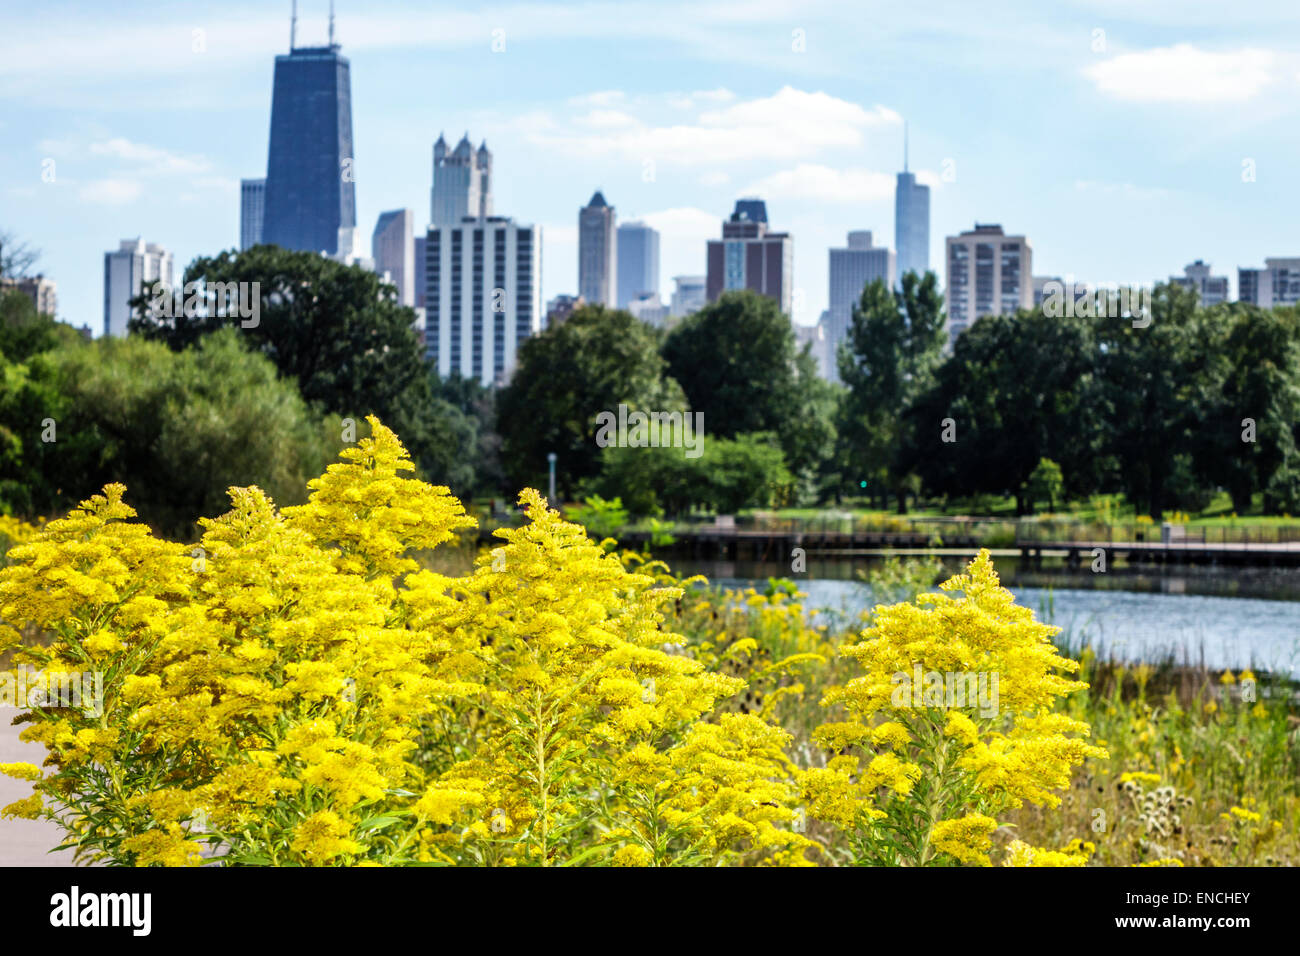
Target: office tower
(1210, 289)
(638, 262)
(988, 273)
(43, 292)
(133, 268)
(310, 195)
(688, 295)
(561, 307)
(252, 211)
(852, 269)
(483, 295)
(749, 256)
(462, 182)
(393, 249)
(420, 277)
(911, 221)
(597, 247)
(1278, 283)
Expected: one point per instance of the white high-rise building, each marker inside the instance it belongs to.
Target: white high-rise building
(393, 249)
(1210, 289)
(135, 265)
(483, 295)
(852, 269)
(252, 207)
(43, 292)
(462, 182)
(1278, 283)
(597, 252)
(988, 273)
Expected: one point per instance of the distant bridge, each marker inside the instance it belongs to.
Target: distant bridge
(776, 538)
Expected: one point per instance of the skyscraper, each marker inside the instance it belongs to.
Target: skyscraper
(128, 271)
(252, 209)
(749, 256)
(989, 273)
(911, 221)
(462, 182)
(483, 295)
(597, 245)
(1278, 283)
(638, 262)
(1210, 289)
(851, 270)
(393, 249)
(310, 195)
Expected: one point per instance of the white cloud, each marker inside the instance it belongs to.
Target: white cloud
(791, 124)
(601, 98)
(150, 160)
(112, 192)
(606, 119)
(685, 223)
(823, 183)
(714, 178)
(1184, 74)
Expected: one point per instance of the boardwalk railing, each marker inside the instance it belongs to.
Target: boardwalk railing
(1047, 533)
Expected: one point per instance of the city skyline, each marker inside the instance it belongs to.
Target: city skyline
(817, 133)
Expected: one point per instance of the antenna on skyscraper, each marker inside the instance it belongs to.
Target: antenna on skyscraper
(904, 145)
(293, 24)
(331, 22)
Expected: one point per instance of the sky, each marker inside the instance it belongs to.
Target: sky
(1123, 138)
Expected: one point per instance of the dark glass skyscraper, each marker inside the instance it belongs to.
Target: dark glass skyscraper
(310, 196)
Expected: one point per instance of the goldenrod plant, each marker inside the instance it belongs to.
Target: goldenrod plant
(950, 722)
(296, 691)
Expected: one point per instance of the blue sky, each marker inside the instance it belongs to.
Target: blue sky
(1112, 133)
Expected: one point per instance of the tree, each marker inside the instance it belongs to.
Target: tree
(1045, 483)
(1018, 388)
(887, 361)
(181, 428)
(748, 471)
(592, 362)
(1247, 402)
(1150, 377)
(337, 330)
(737, 362)
(16, 257)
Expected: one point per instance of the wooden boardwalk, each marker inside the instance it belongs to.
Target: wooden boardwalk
(713, 542)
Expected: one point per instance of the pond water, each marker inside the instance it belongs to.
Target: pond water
(1222, 618)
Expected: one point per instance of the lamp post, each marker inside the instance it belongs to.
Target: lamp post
(550, 460)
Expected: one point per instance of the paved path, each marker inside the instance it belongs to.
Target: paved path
(24, 842)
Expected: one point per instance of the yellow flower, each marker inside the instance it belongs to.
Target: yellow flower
(633, 855)
(323, 837)
(967, 839)
(163, 847)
